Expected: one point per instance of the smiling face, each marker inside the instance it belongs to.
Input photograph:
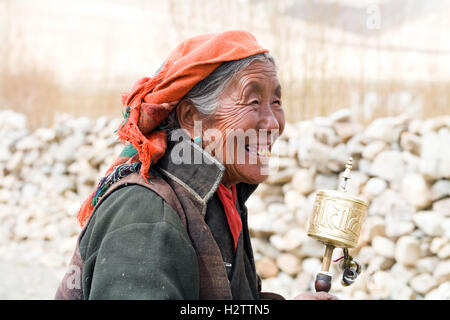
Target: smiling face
(249, 111)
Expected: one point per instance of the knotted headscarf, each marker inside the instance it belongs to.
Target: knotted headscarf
(151, 100)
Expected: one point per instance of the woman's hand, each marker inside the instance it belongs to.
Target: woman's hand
(316, 296)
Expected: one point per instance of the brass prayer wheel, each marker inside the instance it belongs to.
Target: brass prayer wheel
(336, 221)
(337, 218)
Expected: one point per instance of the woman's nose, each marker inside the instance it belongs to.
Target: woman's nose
(268, 120)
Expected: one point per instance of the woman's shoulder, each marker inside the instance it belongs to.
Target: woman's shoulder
(131, 206)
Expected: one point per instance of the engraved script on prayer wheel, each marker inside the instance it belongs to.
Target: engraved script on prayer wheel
(337, 218)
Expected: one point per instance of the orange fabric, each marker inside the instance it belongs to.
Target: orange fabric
(228, 198)
(151, 100)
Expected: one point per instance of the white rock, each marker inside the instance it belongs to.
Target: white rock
(15, 162)
(416, 190)
(303, 181)
(392, 203)
(282, 176)
(401, 273)
(374, 187)
(440, 189)
(389, 165)
(444, 252)
(303, 282)
(341, 115)
(427, 264)
(264, 248)
(397, 228)
(346, 130)
(290, 241)
(255, 205)
(311, 265)
(67, 149)
(280, 149)
(356, 182)
(410, 142)
(442, 207)
(429, 222)
(435, 160)
(415, 126)
(360, 295)
(312, 248)
(13, 120)
(446, 227)
(276, 163)
(261, 225)
(440, 293)
(378, 263)
(407, 250)
(400, 291)
(45, 134)
(355, 146)
(365, 255)
(373, 226)
(380, 285)
(277, 209)
(423, 283)
(29, 190)
(324, 158)
(383, 247)
(373, 149)
(434, 124)
(280, 284)
(412, 162)
(386, 129)
(327, 182)
(437, 244)
(266, 268)
(442, 271)
(28, 143)
(295, 200)
(289, 263)
(264, 190)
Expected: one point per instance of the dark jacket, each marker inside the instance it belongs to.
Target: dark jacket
(168, 239)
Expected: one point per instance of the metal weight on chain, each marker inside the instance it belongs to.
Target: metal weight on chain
(351, 269)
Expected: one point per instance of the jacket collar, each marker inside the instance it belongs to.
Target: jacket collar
(195, 169)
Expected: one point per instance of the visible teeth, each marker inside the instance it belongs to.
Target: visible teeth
(260, 151)
(263, 152)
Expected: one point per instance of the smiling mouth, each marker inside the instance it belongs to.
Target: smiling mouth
(260, 151)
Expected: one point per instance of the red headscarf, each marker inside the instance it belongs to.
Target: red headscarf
(152, 99)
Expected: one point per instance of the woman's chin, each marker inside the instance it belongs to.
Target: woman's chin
(253, 174)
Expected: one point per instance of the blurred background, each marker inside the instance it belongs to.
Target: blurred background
(367, 79)
(377, 57)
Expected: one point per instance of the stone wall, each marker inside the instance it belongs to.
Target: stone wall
(401, 167)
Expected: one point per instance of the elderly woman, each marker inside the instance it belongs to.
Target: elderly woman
(168, 221)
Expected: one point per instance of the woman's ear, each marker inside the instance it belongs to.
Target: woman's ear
(186, 116)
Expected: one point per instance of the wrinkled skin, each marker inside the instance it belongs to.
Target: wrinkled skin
(252, 100)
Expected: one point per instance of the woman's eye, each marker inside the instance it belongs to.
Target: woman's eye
(254, 102)
(277, 102)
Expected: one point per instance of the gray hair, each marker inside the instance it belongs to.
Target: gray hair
(205, 94)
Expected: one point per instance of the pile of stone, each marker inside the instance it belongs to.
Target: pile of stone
(401, 167)
(44, 176)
